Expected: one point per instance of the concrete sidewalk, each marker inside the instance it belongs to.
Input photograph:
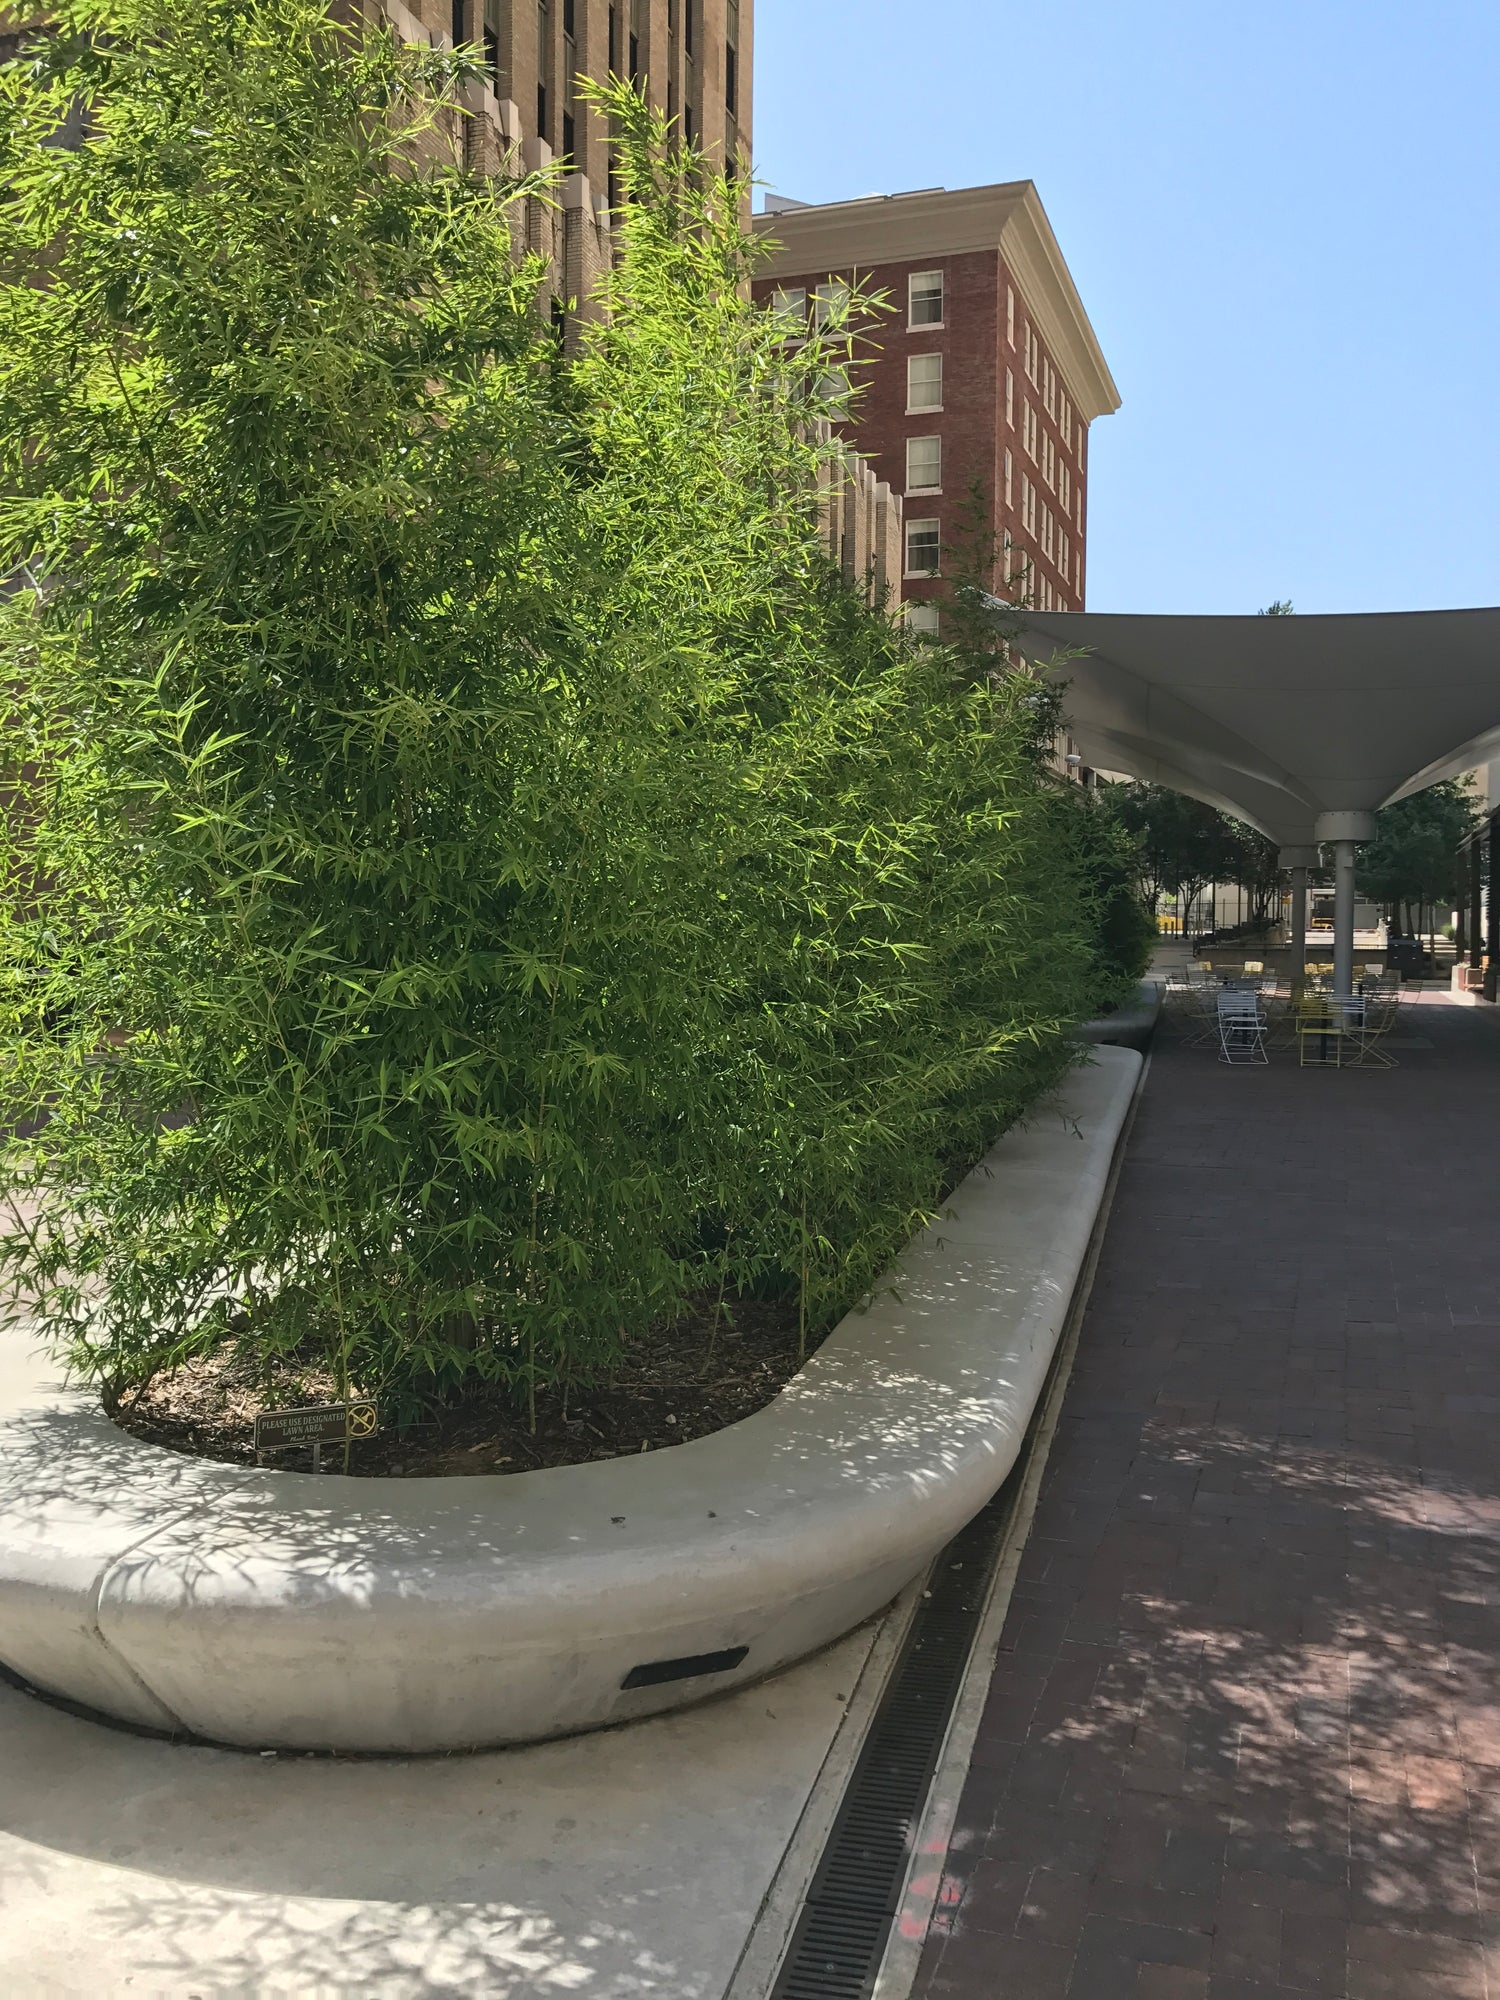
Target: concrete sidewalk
(616, 1866)
(1244, 1739)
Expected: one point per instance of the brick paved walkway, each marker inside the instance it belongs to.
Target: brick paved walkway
(1244, 1739)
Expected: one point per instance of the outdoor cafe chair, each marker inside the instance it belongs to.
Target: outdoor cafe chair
(1242, 1027)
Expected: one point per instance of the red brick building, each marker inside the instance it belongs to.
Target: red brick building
(986, 370)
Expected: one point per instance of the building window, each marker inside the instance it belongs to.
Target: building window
(492, 41)
(924, 547)
(1009, 476)
(1010, 400)
(731, 57)
(789, 302)
(924, 465)
(925, 301)
(1028, 430)
(921, 618)
(924, 382)
(831, 302)
(833, 387)
(1028, 505)
(1010, 317)
(1033, 356)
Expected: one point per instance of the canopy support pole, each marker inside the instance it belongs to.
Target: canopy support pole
(1343, 916)
(1343, 831)
(1297, 861)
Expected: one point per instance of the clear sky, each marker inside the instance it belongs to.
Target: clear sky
(1284, 221)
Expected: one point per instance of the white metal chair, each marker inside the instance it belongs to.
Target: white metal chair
(1242, 1027)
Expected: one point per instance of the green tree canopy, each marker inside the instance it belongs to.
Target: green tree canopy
(1413, 858)
(1181, 843)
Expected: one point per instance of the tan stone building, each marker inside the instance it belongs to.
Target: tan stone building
(986, 370)
(692, 57)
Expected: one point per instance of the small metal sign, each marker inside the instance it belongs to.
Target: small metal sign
(316, 1425)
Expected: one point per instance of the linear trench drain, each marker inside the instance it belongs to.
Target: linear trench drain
(840, 1937)
(839, 1941)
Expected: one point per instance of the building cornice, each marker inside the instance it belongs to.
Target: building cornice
(939, 222)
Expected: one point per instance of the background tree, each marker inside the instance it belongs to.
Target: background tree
(1182, 844)
(1412, 864)
(1256, 870)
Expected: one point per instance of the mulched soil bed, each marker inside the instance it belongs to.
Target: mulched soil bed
(669, 1387)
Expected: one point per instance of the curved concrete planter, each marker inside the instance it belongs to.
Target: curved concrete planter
(1130, 1026)
(280, 1609)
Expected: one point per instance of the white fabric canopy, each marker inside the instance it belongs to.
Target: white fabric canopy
(1281, 721)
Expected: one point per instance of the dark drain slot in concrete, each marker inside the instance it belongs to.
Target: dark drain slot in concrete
(840, 1938)
(655, 1672)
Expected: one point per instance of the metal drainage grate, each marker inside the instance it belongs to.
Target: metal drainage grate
(840, 1938)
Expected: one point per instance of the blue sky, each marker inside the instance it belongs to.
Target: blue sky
(1284, 220)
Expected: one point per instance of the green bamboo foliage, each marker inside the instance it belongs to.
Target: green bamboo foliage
(475, 874)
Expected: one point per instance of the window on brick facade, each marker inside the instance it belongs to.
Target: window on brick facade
(731, 57)
(925, 299)
(921, 617)
(830, 301)
(924, 381)
(1049, 459)
(924, 464)
(1049, 394)
(1010, 317)
(1028, 430)
(924, 547)
(1009, 476)
(833, 385)
(789, 302)
(1010, 400)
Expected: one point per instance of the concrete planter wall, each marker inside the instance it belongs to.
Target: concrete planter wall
(282, 1610)
(1130, 1026)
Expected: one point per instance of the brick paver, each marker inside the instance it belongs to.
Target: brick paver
(1244, 1737)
